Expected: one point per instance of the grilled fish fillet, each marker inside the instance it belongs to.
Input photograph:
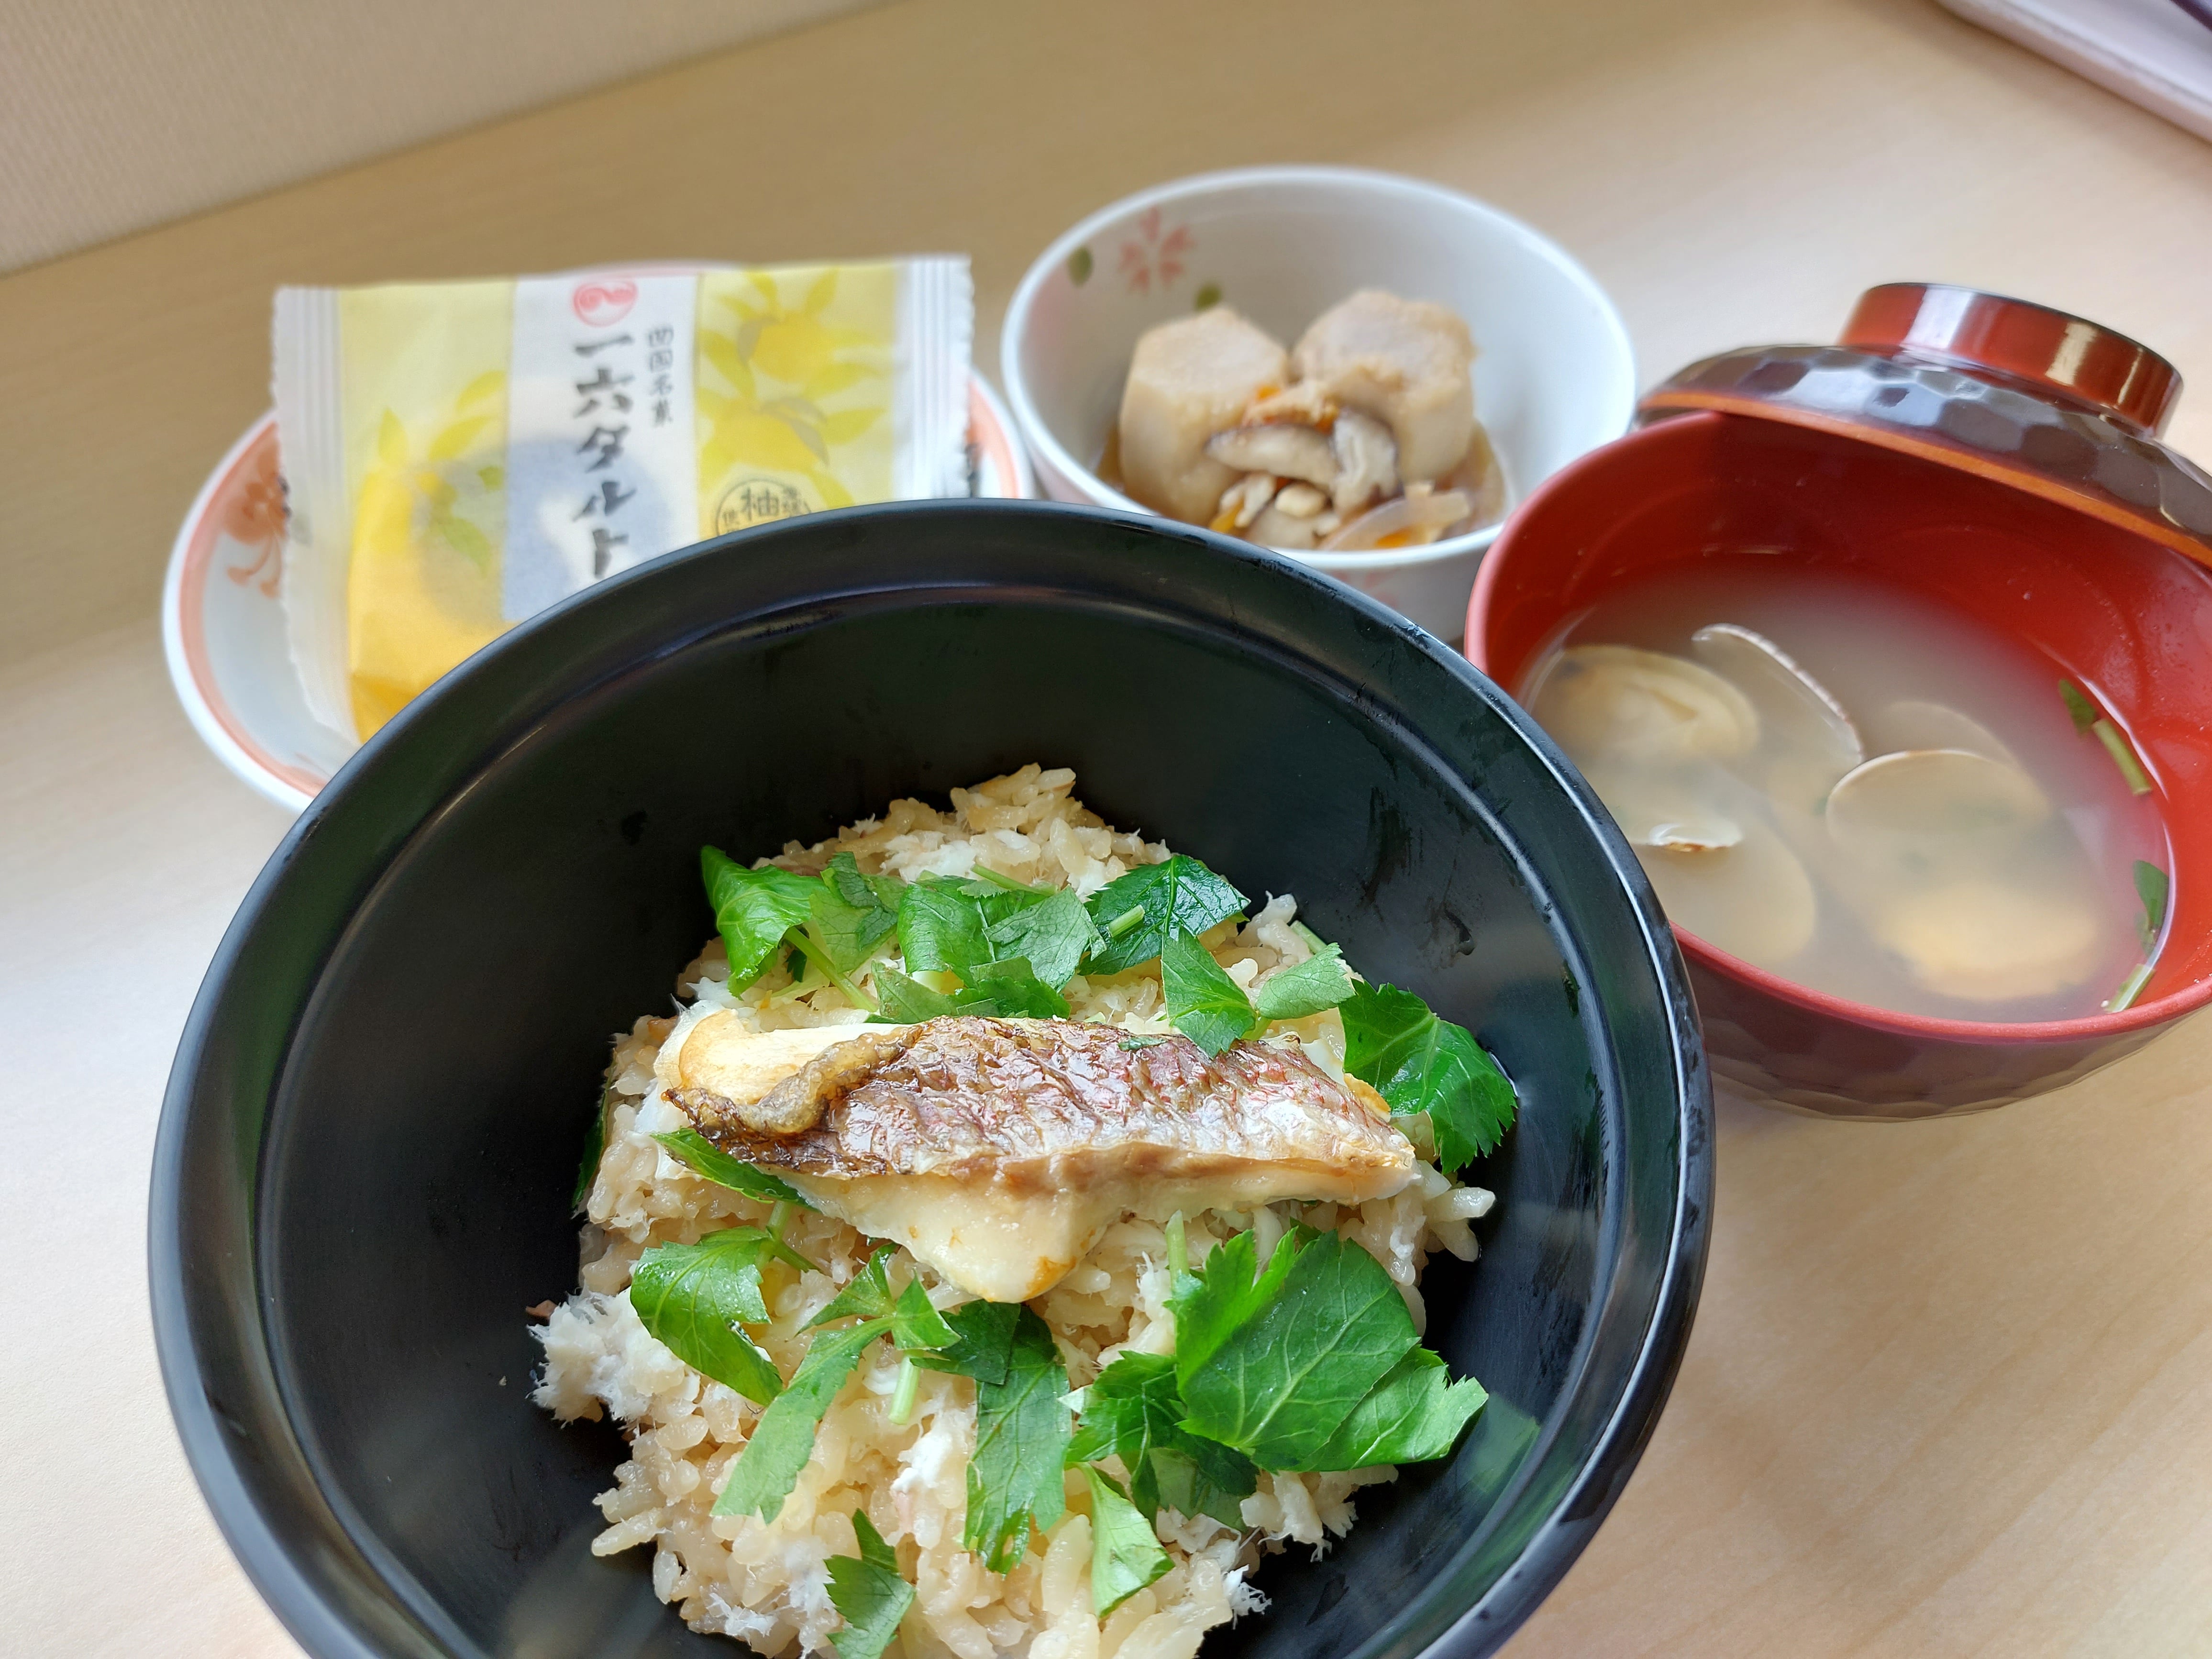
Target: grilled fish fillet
(998, 1150)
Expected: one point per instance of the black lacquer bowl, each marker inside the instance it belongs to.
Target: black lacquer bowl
(370, 1136)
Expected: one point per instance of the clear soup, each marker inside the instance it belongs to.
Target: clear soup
(1865, 792)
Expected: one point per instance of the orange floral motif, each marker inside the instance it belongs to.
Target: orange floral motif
(254, 514)
(1149, 257)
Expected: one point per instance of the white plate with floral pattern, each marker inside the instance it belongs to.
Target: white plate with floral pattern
(222, 623)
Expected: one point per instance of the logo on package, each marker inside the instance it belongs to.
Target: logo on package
(599, 304)
(756, 501)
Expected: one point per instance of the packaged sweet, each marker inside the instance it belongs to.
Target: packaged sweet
(460, 455)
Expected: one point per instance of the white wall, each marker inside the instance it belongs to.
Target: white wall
(117, 114)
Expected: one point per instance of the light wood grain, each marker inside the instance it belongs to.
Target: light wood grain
(1951, 1387)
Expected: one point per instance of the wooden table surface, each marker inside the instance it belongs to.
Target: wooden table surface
(1950, 1390)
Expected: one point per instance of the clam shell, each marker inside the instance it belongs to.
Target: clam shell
(1807, 741)
(1753, 900)
(1989, 941)
(1912, 723)
(1920, 812)
(1667, 809)
(1616, 703)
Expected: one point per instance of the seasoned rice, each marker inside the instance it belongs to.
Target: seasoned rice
(766, 1583)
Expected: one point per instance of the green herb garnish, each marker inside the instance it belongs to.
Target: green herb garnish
(693, 1297)
(1005, 989)
(1134, 1411)
(1414, 1414)
(956, 924)
(1210, 1008)
(1125, 1551)
(2130, 988)
(905, 1000)
(1418, 1063)
(1204, 1003)
(1051, 934)
(942, 924)
(1022, 1434)
(1273, 1362)
(969, 926)
(982, 1343)
(2152, 887)
(1016, 991)
(2083, 711)
(867, 1297)
(703, 1158)
(595, 1148)
(1179, 895)
(917, 1324)
(868, 1590)
(2087, 720)
(753, 909)
(783, 1439)
(1321, 981)
(852, 913)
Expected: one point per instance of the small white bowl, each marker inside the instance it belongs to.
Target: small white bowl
(1555, 377)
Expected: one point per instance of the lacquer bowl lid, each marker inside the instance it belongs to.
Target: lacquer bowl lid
(2052, 404)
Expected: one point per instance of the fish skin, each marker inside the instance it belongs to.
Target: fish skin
(1039, 1106)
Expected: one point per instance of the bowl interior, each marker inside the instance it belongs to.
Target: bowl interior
(373, 1127)
(1282, 246)
(2128, 620)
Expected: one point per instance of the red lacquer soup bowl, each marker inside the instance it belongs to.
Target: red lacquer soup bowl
(2048, 511)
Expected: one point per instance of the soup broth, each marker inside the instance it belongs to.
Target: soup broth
(1855, 787)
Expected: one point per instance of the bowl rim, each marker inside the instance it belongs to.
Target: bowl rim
(1620, 390)
(2139, 1017)
(312, 1581)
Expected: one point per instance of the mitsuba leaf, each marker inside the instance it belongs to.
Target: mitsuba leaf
(595, 1148)
(1213, 1304)
(1051, 934)
(1014, 991)
(999, 989)
(906, 1000)
(1134, 1411)
(753, 909)
(702, 1157)
(1414, 1414)
(1321, 981)
(783, 1439)
(982, 1343)
(1210, 1479)
(1021, 1442)
(1276, 1362)
(1131, 1407)
(868, 1295)
(868, 1590)
(1179, 895)
(1125, 1551)
(1419, 1063)
(916, 1323)
(958, 926)
(1204, 1003)
(854, 912)
(944, 923)
(2152, 887)
(693, 1296)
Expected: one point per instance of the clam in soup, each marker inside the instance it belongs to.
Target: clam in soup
(1856, 788)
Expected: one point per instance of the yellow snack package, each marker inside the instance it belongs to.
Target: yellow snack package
(458, 456)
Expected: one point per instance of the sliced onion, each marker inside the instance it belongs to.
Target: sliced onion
(1419, 519)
